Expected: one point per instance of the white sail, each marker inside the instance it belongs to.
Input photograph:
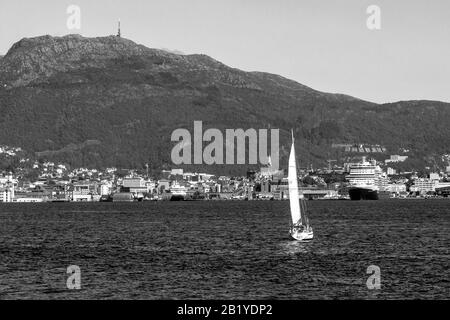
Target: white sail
(293, 187)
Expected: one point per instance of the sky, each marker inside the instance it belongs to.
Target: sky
(325, 45)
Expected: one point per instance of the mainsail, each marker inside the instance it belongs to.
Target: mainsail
(293, 186)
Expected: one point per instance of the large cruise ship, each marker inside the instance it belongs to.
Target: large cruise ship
(367, 181)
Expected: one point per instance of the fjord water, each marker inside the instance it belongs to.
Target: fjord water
(224, 250)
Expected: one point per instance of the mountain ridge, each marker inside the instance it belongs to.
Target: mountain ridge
(62, 91)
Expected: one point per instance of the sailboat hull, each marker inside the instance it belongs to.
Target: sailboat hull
(302, 236)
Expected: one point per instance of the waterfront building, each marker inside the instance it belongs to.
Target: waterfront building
(165, 174)
(382, 181)
(442, 185)
(176, 172)
(434, 176)
(6, 194)
(28, 200)
(134, 185)
(396, 188)
(391, 171)
(423, 185)
(84, 192)
(187, 176)
(163, 185)
(443, 191)
(7, 188)
(204, 176)
(105, 189)
(151, 186)
(265, 186)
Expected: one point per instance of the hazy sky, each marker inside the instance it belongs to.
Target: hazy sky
(323, 44)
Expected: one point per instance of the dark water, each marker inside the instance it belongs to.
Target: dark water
(224, 250)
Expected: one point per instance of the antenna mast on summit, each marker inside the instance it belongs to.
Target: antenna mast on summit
(118, 30)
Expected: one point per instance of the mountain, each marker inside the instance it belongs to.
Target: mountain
(108, 101)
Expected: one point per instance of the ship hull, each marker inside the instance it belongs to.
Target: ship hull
(301, 235)
(363, 194)
(177, 197)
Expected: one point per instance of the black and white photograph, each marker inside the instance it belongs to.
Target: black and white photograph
(209, 150)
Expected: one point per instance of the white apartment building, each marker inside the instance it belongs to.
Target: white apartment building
(7, 194)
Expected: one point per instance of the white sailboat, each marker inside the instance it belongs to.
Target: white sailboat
(300, 229)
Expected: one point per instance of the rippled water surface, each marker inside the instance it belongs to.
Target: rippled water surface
(224, 250)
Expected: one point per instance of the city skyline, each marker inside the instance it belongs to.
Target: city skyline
(199, 152)
(326, 46)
